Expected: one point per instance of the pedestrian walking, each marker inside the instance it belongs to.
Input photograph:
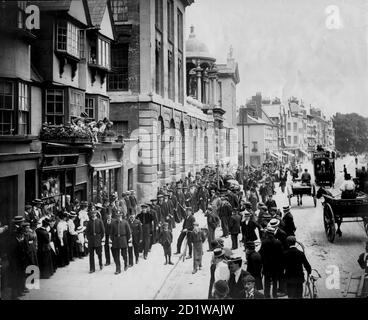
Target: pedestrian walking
(137, 239)
(272, 261)
(294, 261)
(44, 256)
(188, 226)
(146, 219)
(288, 221)
(254, 263)
(95, 232)
(120, 234)
(225, 212)
(234, 229)
(197, 239)
(165, 240)
(107, 226)
(213, 222)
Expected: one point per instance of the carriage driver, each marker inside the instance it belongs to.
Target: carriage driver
(306, 177)
(348, 188)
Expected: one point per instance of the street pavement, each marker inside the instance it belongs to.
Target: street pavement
(151, 279)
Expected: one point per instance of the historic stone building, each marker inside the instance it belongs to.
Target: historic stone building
(152, 70)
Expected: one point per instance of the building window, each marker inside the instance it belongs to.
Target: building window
(103, 56)
(76, 103)
(171, 74)
(23, 108)
(159, 14)
(295, 126)
(90, 107)
(68, 38)
(103, 108)
(289, 140)
(118, 78)
(295, 139)
(170, 21)
(7, 125)
(180, 78)
(289, 126)
(180, 30)
(130, 179)
(54, 106)
(159, 63)
(119, 10)
(255, 146)
(121, 128)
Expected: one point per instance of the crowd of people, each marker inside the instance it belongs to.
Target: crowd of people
(123, 228)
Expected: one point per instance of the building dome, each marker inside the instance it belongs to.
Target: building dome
(195, 48)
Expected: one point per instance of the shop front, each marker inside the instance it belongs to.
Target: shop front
(105, 172)
(63, 173)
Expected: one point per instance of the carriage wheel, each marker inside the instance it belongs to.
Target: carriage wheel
(329, 222)
(365, 221)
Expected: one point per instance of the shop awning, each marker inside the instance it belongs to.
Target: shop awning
(106, 166)
(288, 153)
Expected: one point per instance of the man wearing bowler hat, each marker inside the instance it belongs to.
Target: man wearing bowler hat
(120, 235)
(95, 232)
(188, 226)
(137, 239)
(155, 210)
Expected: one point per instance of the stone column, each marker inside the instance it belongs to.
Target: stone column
(199, 84)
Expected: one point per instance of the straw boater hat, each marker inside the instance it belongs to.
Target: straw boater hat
(286, 209)
(18, 219)
(218, 253)
(274, 223)
(270, 229)
(98, 205)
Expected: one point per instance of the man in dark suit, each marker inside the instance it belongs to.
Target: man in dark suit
(233, 199)
(236, 274)
(146, 218)
(120, 234)
(248, 227)
(234, 229)
(225, 211)
(137, 239)
(95, 232)
(213, 222)
(254, 263)
(270, 203)
(294, 261)
(188, 226)
(272, 260)
(288, 220)
(107, 225)
(181, 203)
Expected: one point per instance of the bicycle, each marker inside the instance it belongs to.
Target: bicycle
(310, 285)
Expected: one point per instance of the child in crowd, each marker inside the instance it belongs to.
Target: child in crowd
(166, 239)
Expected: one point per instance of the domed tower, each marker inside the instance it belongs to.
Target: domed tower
(201, 70)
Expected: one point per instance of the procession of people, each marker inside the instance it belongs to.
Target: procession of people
(126, 231)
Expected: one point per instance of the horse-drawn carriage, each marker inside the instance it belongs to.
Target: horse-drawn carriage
(324, 167)
(299, 189)
(336, 210)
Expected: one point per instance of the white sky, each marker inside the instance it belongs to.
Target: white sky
(284, 48)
